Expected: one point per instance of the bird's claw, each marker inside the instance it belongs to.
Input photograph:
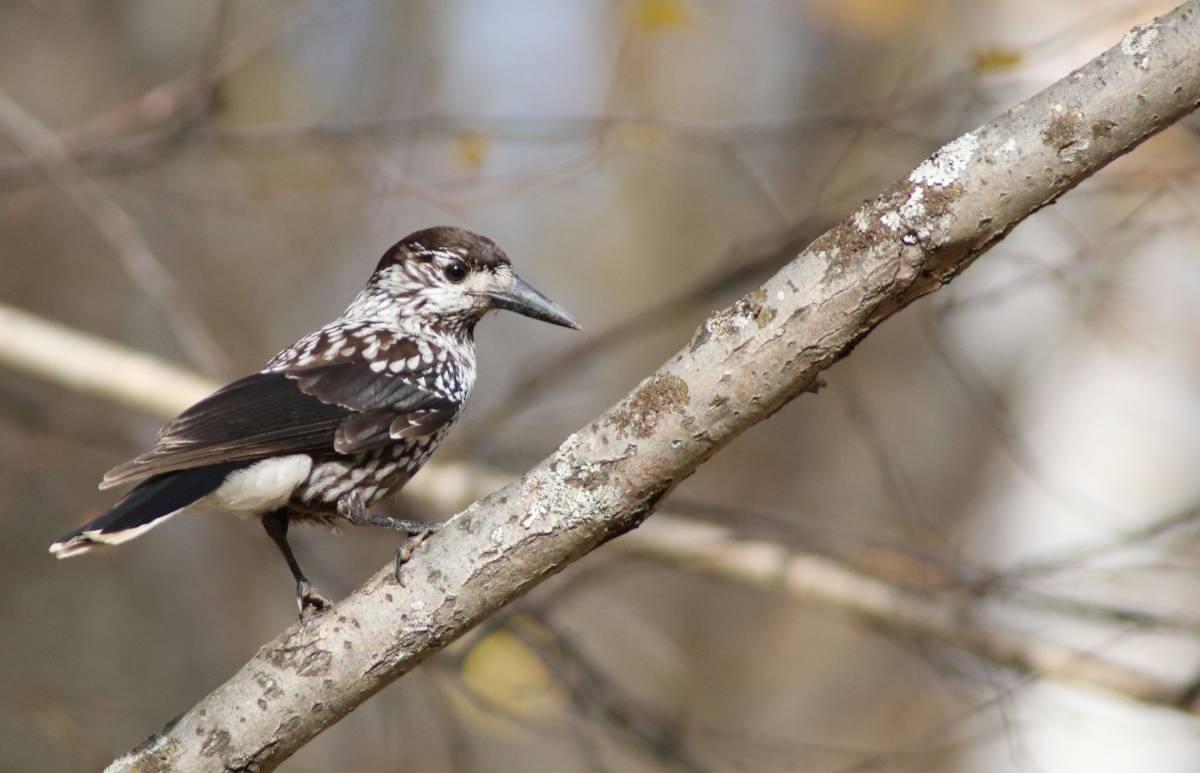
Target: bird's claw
(310, 600)
(405, 551)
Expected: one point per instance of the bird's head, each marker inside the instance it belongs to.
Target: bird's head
(449, 278)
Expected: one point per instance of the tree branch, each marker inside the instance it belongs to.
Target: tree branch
(97, 366)
(942, 618)
(743, 364)
(110, 370)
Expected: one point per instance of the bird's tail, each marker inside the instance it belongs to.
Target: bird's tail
(148, 505)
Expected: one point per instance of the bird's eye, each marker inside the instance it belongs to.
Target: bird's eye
(455, 272)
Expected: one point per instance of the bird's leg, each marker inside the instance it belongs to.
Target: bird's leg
(308, 598)
(352, 508)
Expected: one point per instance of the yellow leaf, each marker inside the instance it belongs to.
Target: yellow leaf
(505, 672)
(995, 59)
(661, 14)
(472, 149)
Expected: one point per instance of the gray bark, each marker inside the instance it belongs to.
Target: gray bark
(743, 364)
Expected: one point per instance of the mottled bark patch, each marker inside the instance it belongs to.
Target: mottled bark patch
(946, 165)
(750, 308)
(1066, 132)
(640, 413)
(157, 755)
(306, 659)
(1139, 42)
(217, 742)
(918, 213)
(1102, 128)
(640, 513)
(917, 210)
(270, 688)
(754, 306)
(287, 725)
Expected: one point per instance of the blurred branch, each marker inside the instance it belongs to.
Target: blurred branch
(151, 131)
(188, 95)
(744, 364)
(593, 693)
(121, 231)
(152, 119)
(131, 132)
(1063, 560)
(96, 366)
(744, 265)
(944, 618)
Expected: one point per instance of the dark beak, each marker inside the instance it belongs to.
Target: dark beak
(524, 299)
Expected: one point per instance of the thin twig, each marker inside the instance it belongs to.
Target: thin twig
(116, 225)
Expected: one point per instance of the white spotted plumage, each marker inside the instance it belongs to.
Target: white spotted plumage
(439, 359)
(342, 418)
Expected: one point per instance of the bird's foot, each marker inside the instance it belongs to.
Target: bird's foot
(310, 600)
(405, 551)
(352, 508)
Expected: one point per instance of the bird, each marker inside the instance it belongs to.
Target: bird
(340, 420)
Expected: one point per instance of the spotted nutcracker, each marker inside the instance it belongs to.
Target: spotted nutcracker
(341, 419)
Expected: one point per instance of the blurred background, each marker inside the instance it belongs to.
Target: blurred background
(207, 181)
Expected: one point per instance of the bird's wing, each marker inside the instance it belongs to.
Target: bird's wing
(316, 406)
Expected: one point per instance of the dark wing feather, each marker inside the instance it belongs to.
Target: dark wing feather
(425, 421)
(362, 430)
(340, 406)
(381, 400)
(259, 408)
(357, 386)
(258, 416)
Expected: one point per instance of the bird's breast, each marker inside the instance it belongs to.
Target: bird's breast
(374, 474)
